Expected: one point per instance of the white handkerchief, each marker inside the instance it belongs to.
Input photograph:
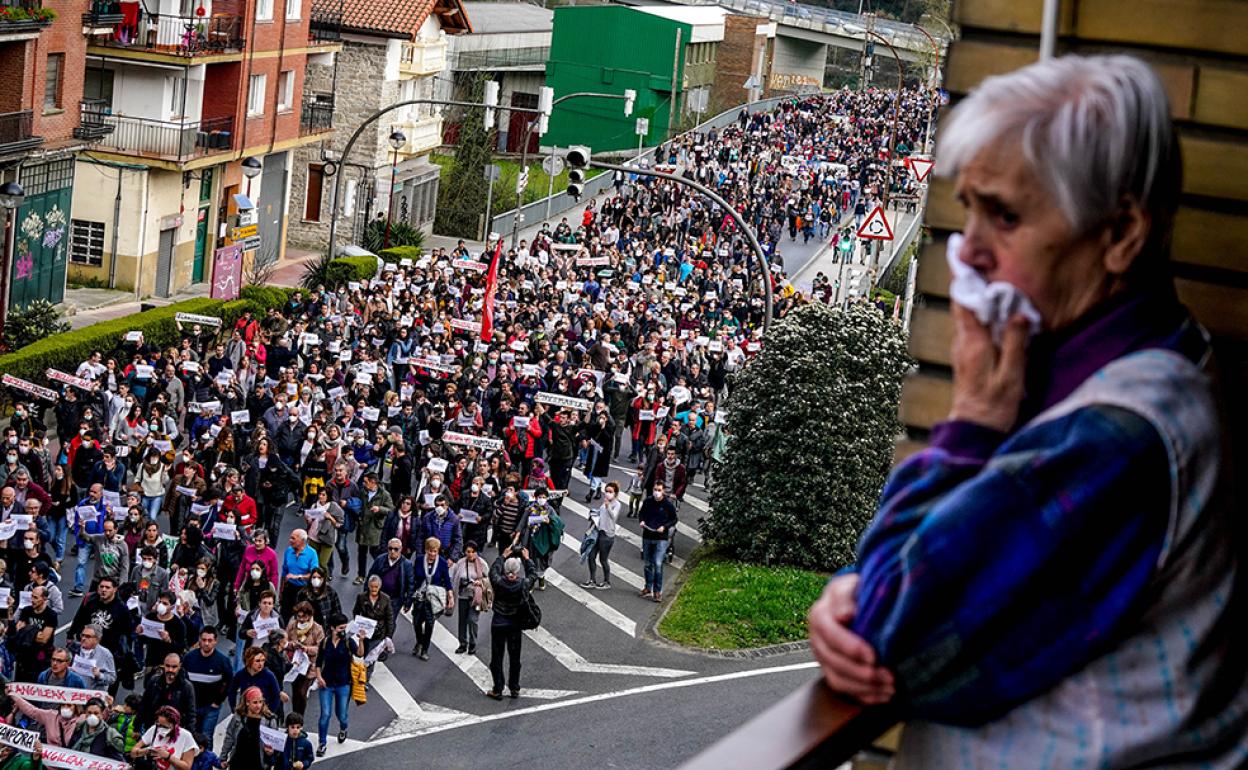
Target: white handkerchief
(994, 304)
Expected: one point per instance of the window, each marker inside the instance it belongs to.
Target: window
(285, 89)
(292, 9)
(177, 95)
(312, 197)
(86, 243)
(255, 95)
(264, 10)
(52, 81)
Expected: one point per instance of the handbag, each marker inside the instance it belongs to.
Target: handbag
(436, 596)
(529, 616)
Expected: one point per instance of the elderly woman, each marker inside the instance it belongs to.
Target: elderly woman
(1061, 555)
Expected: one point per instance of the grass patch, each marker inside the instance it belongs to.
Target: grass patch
(508, 170)
(730, 605)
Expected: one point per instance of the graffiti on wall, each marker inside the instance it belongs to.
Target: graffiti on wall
(792, 81)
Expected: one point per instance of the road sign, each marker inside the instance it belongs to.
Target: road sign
(252, 243)
(552, 165)
(876, 226)
(920, 167)
(643, 126)
(245, 231)
(491, 172)
(522, 181)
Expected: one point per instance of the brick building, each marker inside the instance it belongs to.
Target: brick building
(41, 64)
(392, 50)
(177, 94)
(743, 66)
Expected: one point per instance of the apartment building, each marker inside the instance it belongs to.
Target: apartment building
(392, 50)
(179, 99)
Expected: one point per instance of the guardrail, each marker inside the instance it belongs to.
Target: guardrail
(561, 202)
(181, 35)
(167, 140)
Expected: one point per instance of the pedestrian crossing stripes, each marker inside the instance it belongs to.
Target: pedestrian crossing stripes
(477, 671)
(690, 532)
(627, 535)
(592, 603)
(617, 572)
(573, 661)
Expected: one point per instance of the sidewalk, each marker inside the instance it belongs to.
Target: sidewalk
(90, 306)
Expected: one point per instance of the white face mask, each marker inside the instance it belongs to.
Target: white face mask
(67, 712)
(148, 563)
(255, 574)
(161, 608)
(201, 572)
(93, 720)
(317, 582)
(303, 625)
(435, 484)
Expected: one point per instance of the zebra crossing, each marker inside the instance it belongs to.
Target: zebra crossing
(588, 643)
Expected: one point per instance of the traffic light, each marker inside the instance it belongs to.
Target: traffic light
(578, 159)
(545, 103)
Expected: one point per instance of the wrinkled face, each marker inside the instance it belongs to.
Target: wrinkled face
(1015, 232)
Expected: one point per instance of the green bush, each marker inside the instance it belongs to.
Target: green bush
(39, 319)
(811, 423)
(396, 253)
(329, 273)
(66, 351)
(265, 297)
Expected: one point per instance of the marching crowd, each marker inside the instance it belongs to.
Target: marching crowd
(409, 427)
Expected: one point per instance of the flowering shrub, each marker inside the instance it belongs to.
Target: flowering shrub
(38, 13)
(812, 422)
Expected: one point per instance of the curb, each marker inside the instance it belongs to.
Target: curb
(650, 632)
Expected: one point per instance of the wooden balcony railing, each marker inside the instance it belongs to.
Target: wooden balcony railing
(812, 729)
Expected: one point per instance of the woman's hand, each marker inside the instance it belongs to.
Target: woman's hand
(848, 662)
(987, 382)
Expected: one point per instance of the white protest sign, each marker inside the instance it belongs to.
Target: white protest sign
(16, 737)
(46, 693)
(437, 465)
(68, 379)
(240, 416)
(152, 628)
(47, 394)
(192, 318)
(68, 759)
(480, 442)
(265, 626)
(223, 531)
(361, 623)
(554, 399)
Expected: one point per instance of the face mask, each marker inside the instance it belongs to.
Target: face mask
(20, 413)
(317, 582)
(201, 572)
(312, 436)
(435, 483)
(134, 517)
(30, 545)
(148, 563)
(658, 495)
(609, 495)
(11, 458)
(162, 732)
(441, 509)
(161, 608)
(255, 574)
(476, 487)
(154, 426)
(541, 501)
(24, 450)
(93, 720)
(303, 625)
(82, 432)
(67, 712)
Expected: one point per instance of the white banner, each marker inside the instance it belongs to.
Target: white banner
(554, 399)
(469, 264)
(592, 261)
(192, 318)
(465, 325)
(47, 693)
(68, 379)
(22, 740)
(480, 442)
(46, 394)
(432, 365)
(55, 756)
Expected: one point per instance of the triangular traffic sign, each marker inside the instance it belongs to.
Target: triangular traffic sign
(920, 167)
(876, 226)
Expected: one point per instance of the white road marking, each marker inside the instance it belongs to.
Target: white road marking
(573, 661)
(625, 576)
(681, 527)
(353, 746)
(591, 603)
(477, 671)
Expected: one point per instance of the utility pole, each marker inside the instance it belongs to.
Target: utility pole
(865, 65)
(671, 108)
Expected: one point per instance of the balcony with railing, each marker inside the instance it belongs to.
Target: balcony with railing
(101, 16)
(423, 57)
(16, 133)
(92, 124)
(23, 19)
(325, 23)
(219, 33)
(167, 140)
(423, 134)
(531, 58)
(317, 117)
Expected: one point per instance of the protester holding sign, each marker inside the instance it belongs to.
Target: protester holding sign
(166, 745)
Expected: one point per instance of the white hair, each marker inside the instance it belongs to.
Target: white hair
(513, 566)
(1095, 129)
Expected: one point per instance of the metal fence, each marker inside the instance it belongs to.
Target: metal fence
(182, 35)
(163, 139)
(15, 127)
(316, 118)
(534, 56)
(561, 202)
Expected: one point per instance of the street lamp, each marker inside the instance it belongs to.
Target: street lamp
(397, 140)
(12, 196)
(251, 170)
(892, 145)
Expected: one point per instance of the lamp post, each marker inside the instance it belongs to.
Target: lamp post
(892, 144)
(12, 196)
(757, 248)
(397, 140)
(371, 119)
(628, 96)
(931, 100)
(251, 170)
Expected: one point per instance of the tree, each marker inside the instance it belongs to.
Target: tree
(812, 421)
(461, 201)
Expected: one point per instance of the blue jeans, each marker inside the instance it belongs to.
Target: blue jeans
(207, 717)
(335, 699)
(80, 569)
(653, 551)
(56, 533)
(152, 505)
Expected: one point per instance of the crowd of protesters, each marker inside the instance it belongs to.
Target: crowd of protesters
(405, 427)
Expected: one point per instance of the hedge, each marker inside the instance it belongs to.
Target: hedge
(67, 351)
(265, 297)
(346, 269)
(396, 253)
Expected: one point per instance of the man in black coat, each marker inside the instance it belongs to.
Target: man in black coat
(168, 687)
